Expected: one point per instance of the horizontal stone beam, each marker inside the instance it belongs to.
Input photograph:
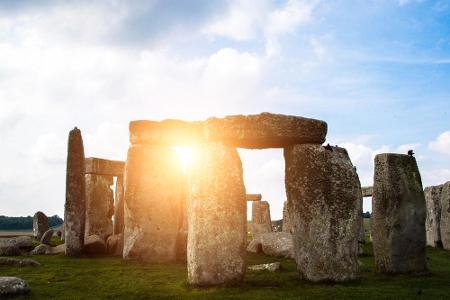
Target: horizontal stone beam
(264, 130)
(102, 166)
(253, 197)
(367, 191)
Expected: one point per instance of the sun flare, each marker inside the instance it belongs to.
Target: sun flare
(185, 155)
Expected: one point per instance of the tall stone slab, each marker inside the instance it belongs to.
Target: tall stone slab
(118, 206)
(433, 211)
(154, 191)
(445, 215)
(74, 211)
(99, 205)
(40, 224)
(261, 222)
(216, 217)
(324, 205)
(398, 217)
(286, 218)
(362, 235)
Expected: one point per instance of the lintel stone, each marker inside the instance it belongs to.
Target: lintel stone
(100, 166)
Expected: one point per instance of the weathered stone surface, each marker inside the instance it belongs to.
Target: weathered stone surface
(254, 246)
(323, 204)
(99, 205)
(367, 191)
(362, 234)
(100, 166)
(21, 242)
(182, 232)
(216, 217)
(277, 225)
(114, 244)
(118, 207)
(286, 218)
(261, 222)
(445, 216)
(13, 286)
(7, 261)
(253, 197)
(57, 249)
(47, 236)
(40, 249)
(63, 232)
(40, 224)
(74, 213)
(154, 192)
(271, 267)
(264, 130)
(93, 244)
(278, 244)
(398, 216)
(9, 250)
(433, 211)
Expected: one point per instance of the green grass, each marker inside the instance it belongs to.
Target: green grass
(108, 277)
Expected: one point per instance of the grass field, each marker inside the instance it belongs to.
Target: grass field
(109, 277)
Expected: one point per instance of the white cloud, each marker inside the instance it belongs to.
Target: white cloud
(441, 144)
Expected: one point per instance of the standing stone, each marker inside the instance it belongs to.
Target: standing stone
(46, 237)
(261, 222)
(40, 224)
(216, 217)
(398, 218)
(154, 191)
(433, 220)
(74, 213)
(63, 232)
(362, 236)
(445, 216)
(182, 233)
(99, 205)
(118, 206)
(324, 205)
(286, 218)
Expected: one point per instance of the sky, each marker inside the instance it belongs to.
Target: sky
(377, 71)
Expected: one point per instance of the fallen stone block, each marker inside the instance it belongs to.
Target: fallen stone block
(10, 286)
(278, 244)
(7, 261)
(271, 267)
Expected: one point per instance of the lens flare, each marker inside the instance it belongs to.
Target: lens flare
(185, 155)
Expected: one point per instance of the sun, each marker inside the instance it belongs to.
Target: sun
(185, 155)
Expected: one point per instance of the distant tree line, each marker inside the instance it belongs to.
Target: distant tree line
(25, 223)
(366, 215)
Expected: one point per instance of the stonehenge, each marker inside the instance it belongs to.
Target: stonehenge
(40, 224)
(445, 216)
(398, 218)
(261, 222)
(433, 218)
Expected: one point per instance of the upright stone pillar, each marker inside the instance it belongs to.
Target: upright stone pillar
(99, 205)
(40, 224)
(118, 206)
(154, 191)
(362, 236)
(324, 205)
(398, 218)
(216, 217)
(74, 211)
(261, 222)
(433, 219)
(445, 216)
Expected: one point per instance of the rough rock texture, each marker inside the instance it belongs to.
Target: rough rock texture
(254, 246)
(13, 286)
(9, 250)
(99, 205)
(261, 222)
(40, 249)
(74, 212)
(264, 130)
(398, 216)
(271, 267)
(100, 166)
(57, 250)
(278, 244)
(40, 224)
(63, 232)
(445, 216)
(253, 197)
(47, 236)
(217, 217)
(286, 218)
(277, 225)
(362, 234)
(155, 189)
(433, 219)
(182, 232)
(323, 204)
(21, 242)
(367, 191)
(94, 244)
(118, 206)
(7, 261)
(114, 244)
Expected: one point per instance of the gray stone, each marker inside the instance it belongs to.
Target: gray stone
(7, 261)
(324, 205)
(57, 249)
(445, 216)
(367, 191)
(100, 166)
(254, 246)
(286, 218)
(118, 207)
(271, 267)
(398, 217)
(9, 250)
(93, 244)
(99, 205)
(13, 286)
(154, 194)
(21, 242)
(279, 244)
(40, 224)
(433, 219)
(114, 244)
(75, 207)
(217, 217)
(40, 249)
(261, 222)
(47, 236)
(263, 130)
(362, 234)
(63, 232)
(277, 225)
